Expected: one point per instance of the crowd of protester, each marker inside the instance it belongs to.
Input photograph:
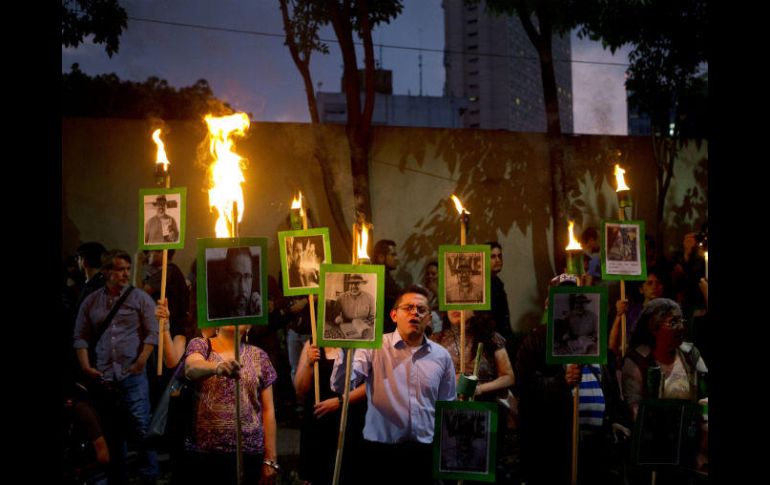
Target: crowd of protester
(109, 342)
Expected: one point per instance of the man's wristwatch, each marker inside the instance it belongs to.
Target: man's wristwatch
(272, 464)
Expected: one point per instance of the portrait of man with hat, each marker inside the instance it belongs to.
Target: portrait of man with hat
(161, 228)
(352, 317)
(465, 282)
(577, 330)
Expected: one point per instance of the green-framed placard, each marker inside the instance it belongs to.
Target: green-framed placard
(162, 218)
(577, 325)
(464, 277)
(666, 433)
(232, 281)
(302, 254)
(465, 441)
(624, 255)
(350, 307)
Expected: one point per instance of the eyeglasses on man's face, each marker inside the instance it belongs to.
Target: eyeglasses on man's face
(421, 310)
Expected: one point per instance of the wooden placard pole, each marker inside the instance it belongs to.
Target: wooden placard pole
(163, 273)
(623, 327)
(575, 425)
(237, 346)
(313, 331)
(463, 230)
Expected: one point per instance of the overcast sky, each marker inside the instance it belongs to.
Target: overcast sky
(253, 71)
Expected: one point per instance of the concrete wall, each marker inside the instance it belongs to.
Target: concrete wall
(502, 177)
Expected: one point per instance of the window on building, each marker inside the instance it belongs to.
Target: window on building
(473, 34)
(473, 47)
(472, 21)
(473, 60)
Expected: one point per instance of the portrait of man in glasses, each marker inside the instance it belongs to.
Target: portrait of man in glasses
(576, 324)
(464, 278)
(352, 315)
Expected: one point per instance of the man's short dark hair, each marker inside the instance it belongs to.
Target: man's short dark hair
(91, 252)
(412, 289)
(589, 233)
(494, 245)
(431, 263)
(109, 258)
(382, 248)
(233, 253)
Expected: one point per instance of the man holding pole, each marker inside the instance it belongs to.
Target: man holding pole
(404, 379)
(117, 368)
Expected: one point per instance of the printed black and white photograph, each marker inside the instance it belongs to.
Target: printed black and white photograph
(233, 282)
(350, 306)
(464, 278)
(161, 218)
(623, 251)
(465, 448)
(304, 255)
(576, 324)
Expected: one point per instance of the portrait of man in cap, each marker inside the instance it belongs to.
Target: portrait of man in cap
(352, 315)
(464, 278)
(576, 325)
(162, 227)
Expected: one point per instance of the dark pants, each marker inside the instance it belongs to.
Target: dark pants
(400, 463)
(220, 468)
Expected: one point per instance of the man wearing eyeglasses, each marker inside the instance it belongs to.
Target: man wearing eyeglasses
(404, 379)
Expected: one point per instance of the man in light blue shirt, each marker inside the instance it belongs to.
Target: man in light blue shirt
(404, 379)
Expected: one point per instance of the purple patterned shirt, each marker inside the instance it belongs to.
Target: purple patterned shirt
(215, 411)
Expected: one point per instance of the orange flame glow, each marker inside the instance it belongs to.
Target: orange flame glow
(573, 245)
(459, 205)
(619, 179)
(225, 174)
(363, 240)
(161, 156)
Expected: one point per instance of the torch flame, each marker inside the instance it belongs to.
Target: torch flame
(225, 173)
(620, 180)
(459, 205)
(573, 245)
(161, 156)
(296, 202)
(362, 242)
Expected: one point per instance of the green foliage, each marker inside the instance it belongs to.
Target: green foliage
(104, 19)
(106, 96)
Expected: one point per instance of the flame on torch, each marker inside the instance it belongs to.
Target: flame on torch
(363, 240)
(573, 245)
(225, 173)
(619, 179)
(296, 203)
(459, 205)
(161, 156)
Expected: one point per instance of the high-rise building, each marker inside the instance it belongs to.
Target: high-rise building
(490, 61)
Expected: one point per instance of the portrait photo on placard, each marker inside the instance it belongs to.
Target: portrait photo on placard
(350, 312)
(161, 218)
(623, 251)
(464, 447)
(232, 280)
(577, 324)
(464, 277)
(302, 253)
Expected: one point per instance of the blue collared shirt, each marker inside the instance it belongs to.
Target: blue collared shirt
(133, 326)
(403, 384)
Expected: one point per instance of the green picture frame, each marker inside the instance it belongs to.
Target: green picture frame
(305, 281)
(577, 309)
(337, 325)
(167, 230)
(475, 259)
(222, 281)
(623, 251)
(465, 441)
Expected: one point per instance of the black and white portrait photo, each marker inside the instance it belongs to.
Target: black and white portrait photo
(304, 255)
(465, 444)
(233, 281)
(161, 218)
(350, 306)
(464, 278)
(576, 324)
